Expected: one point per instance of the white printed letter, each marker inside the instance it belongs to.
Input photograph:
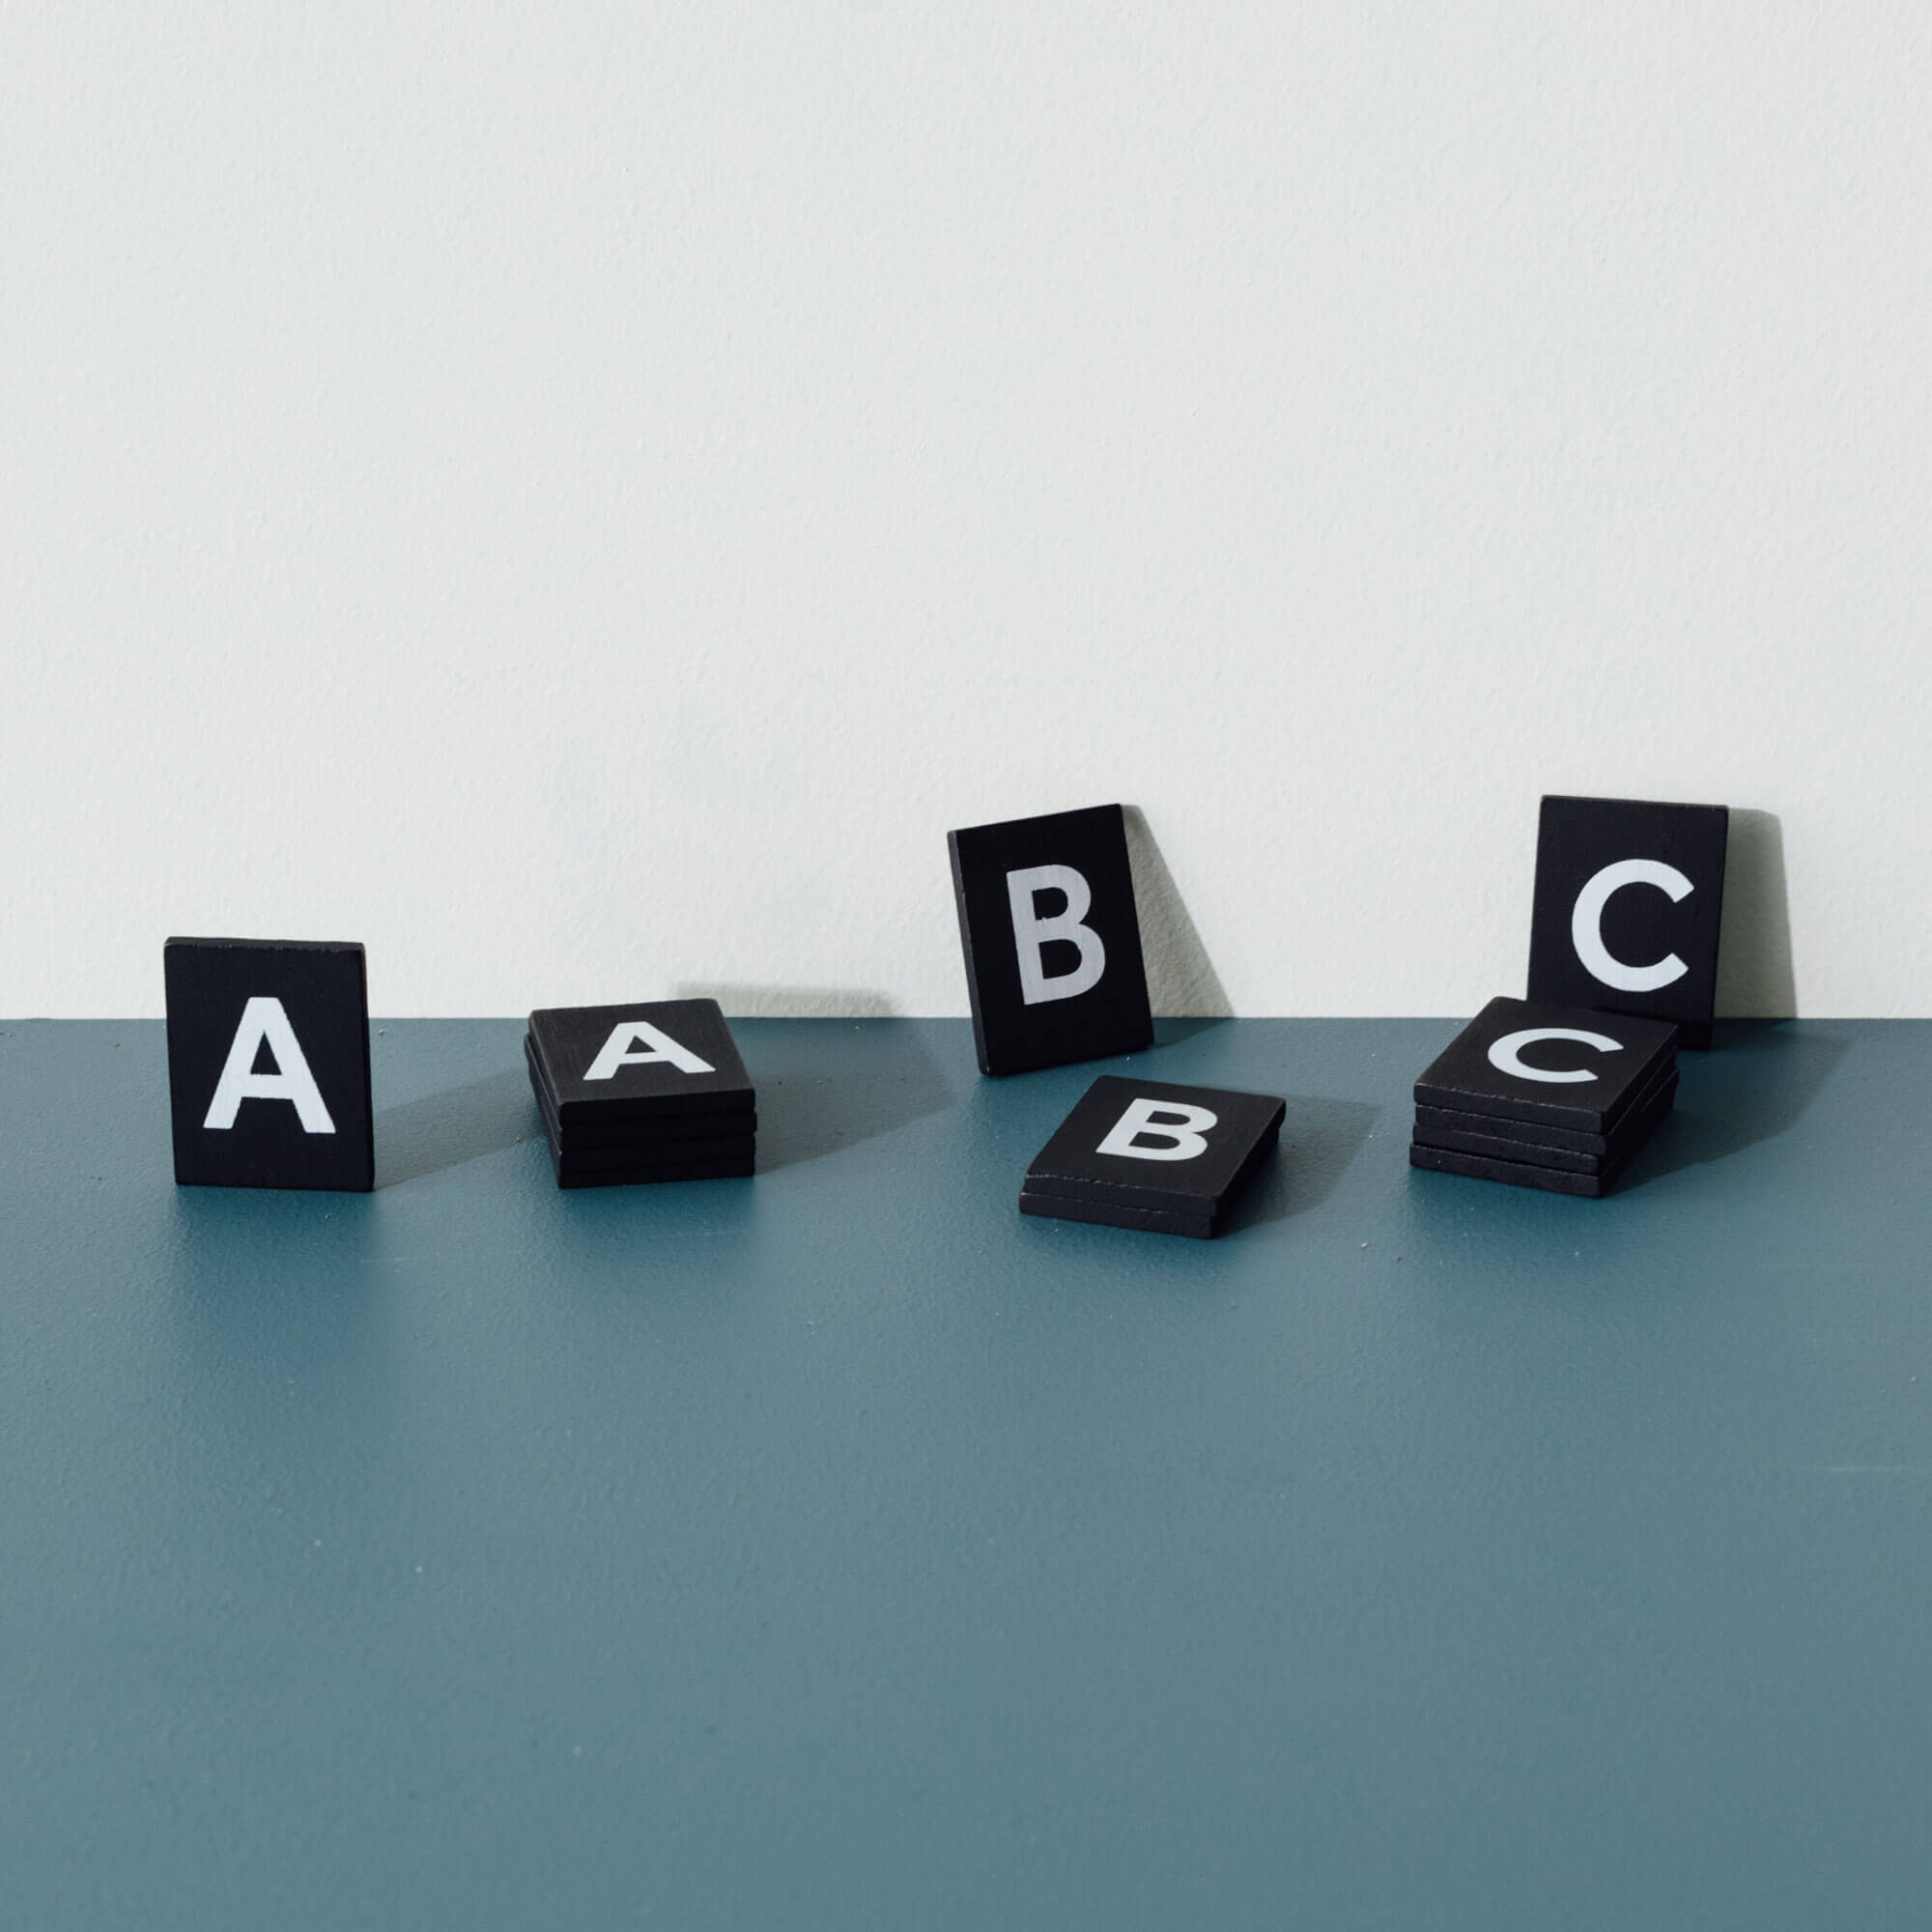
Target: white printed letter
(1505, 1056)
(263, 1018)
(1180, 1126)
(1031, 932)
(1586, 924)
(624, 1036)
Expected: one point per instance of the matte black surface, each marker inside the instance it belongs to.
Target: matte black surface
(1113, 1015)
(1071, 1165)
(846, 1552)
(1102, 1214)
(322, 989)
(656, 1154)
(1431, 1121)
(1462, 1077)
(568, 1040)
(631, 1129)
(608, 1143)
(1640, 925)
(1633, 1131)
(1516, 1173)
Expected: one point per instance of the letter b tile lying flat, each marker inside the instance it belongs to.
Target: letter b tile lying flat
(1151, 1155)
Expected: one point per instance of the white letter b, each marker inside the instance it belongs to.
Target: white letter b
(1179, 1125)
(1030, 932)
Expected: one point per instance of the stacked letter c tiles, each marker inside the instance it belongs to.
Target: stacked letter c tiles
(1556, 1098)
(654, 1091)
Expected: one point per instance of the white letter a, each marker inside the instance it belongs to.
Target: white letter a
(626, 1035)
(263, 1018)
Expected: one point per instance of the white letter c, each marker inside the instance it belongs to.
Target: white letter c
(1586, 924)
(1505, 1054)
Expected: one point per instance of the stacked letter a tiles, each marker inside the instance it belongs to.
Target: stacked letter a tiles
(1556, 1098)
(655, 1092)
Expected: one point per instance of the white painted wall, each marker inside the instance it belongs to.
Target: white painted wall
(582, 498)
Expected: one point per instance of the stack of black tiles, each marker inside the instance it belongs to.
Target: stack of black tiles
(1555, 1097)
(654, 1091)
(1153, 1157)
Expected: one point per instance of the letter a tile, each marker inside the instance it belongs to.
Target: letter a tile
(269, 1063)
(1052, 940)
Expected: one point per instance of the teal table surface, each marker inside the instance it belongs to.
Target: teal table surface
(840, 1548)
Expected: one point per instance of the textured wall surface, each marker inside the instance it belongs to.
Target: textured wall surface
(581, 498)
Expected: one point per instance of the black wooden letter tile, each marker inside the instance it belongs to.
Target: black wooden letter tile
(1574, 1067)
(1628, 899)
(1052, 940)
(1151, 1146)
(658, 1057)
(269, 1063)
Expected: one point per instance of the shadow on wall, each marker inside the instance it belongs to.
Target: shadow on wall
(1761, 1073)
(791, 1003)
(443, 1131)
(1181, 980)
(1754, 972)
(884, 1077)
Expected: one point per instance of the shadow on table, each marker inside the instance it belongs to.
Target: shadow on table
(823, 1088)
(1318, 1138)
(1754, 1084)
(1170, 1033)
(445, 1131)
